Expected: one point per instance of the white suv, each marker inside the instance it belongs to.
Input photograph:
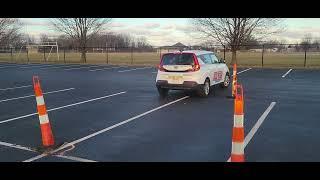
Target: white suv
(191, 70)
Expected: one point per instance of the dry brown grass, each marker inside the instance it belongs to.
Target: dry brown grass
(146, 58)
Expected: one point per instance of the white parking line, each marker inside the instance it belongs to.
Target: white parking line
(16, 146)
(37, 66)
(22, 97)
(106, 129)
(75, 158)
(107, 68)
(20, 117)
(61, 107)
(135, 69)
(286, 73)
(42, 65)
(61, 66)
(7, 67)
(17, 87)
(81, 68)
(257, 125)
(5, 64)
(244, 70)
(12, 65)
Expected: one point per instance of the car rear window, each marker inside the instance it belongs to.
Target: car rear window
(178, 59)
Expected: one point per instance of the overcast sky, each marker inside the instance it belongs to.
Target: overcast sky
(168, 31)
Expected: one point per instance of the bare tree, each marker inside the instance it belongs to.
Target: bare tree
(45, 38)
(9, 30)
(306, 42)
(142, 42)
(25, 39)
(316, 44)
(65, 41)
(251, 43)
(81, 29)
(233, 32)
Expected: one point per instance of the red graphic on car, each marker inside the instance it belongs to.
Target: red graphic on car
(217, 76)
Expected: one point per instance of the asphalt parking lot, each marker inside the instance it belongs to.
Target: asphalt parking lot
(114, 113)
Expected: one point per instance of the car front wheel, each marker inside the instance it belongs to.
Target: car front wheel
(226, 81)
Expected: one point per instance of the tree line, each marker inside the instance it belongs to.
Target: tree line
(307, 43)
(75, 32)
(234, 33)
(98, 41)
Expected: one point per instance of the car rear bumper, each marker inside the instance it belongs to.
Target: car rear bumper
(187, 85)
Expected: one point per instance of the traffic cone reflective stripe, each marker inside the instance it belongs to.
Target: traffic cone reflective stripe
(237, 148)
(44, 119)
(40, 100)
(234, 80)
(237, 152)
(238, 120)
(46, 132)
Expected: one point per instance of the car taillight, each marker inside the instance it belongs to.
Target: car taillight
(160, 68)
(196, 66)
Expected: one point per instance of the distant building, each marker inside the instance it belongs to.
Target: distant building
(289, 49)
(265, 50)
(271, 50)
(176, 47)
(255, 50)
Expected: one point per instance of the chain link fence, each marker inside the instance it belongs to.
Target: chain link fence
(266, 55)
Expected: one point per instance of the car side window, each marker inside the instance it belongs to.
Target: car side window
(201, 61)
(206, 58)
(214, 59)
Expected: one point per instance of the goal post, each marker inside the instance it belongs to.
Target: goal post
(51, 45)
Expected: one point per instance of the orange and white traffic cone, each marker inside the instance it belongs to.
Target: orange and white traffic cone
(46, 132)
(237, 153)
(234, 80)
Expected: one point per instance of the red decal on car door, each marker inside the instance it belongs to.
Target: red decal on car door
(217, 76)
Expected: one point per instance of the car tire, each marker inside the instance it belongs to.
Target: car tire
(204, 89)
(163, 92)
(226, 82)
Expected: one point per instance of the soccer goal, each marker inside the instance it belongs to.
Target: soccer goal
(48, 48)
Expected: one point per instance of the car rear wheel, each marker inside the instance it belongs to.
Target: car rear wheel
(163, 92)
(204, 89)
(226, 81)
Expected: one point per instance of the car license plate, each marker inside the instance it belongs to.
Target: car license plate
(175, 79)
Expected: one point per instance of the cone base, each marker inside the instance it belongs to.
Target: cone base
(48, 149)
(237, 158)
(47, 136)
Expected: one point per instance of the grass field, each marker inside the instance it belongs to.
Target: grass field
(150, 58)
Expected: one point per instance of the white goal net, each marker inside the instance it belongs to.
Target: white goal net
(47, 47)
